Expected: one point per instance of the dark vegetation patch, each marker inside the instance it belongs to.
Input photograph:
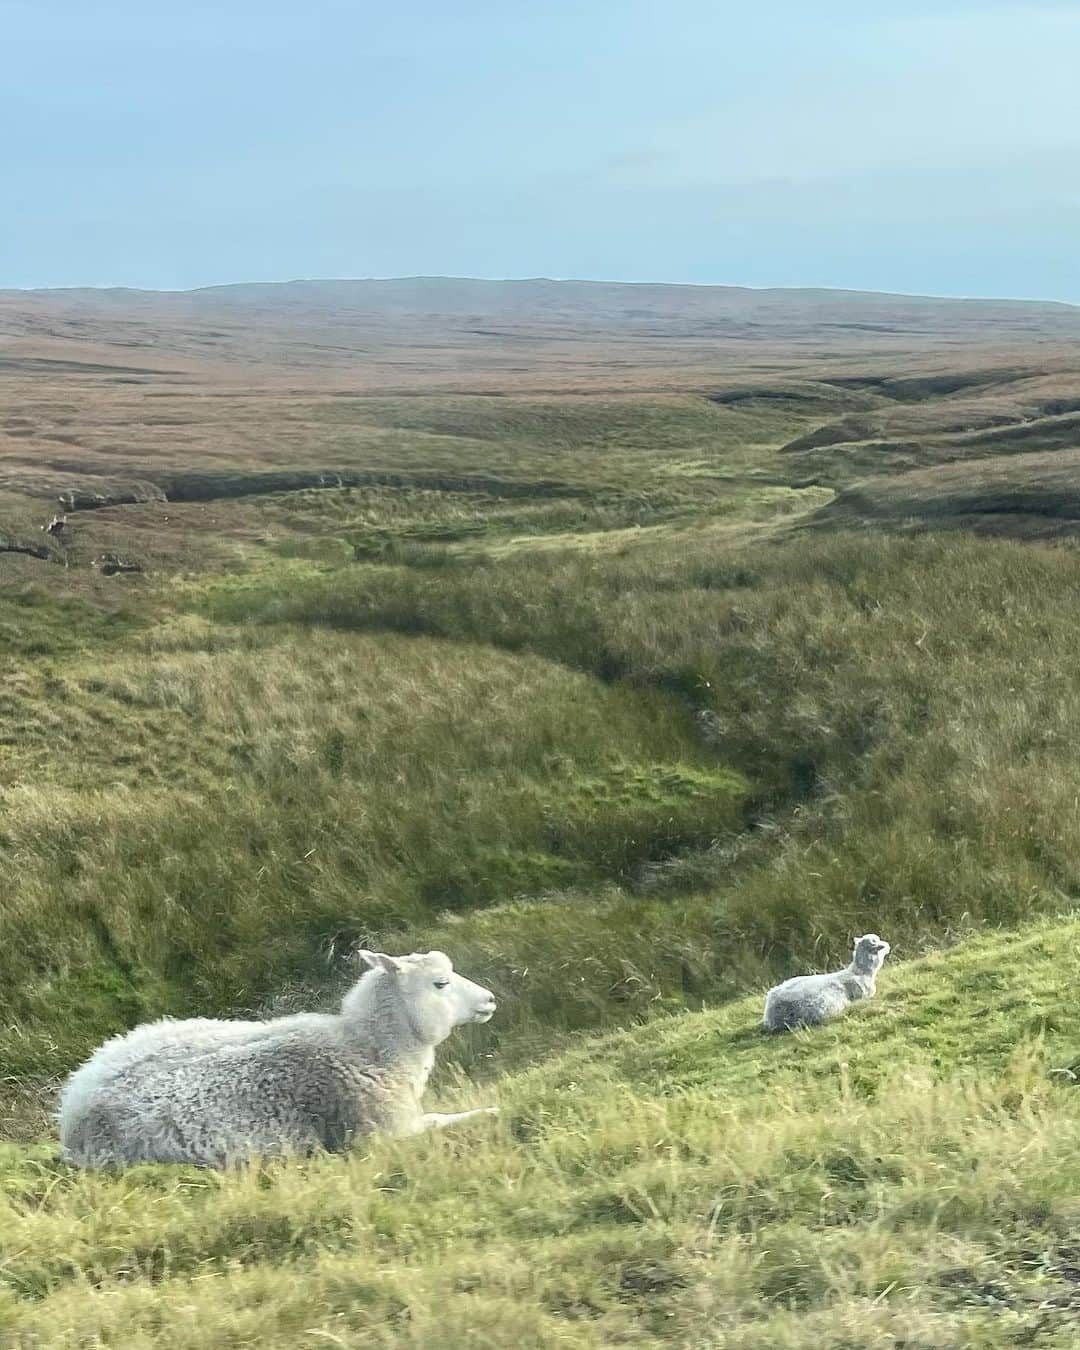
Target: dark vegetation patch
(915, 388)
(1027, 495)
(27, 549)
(809, 398)
(1047, 433)
(32, 365)
(205, 488)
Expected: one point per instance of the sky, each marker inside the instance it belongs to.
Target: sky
(872, 144)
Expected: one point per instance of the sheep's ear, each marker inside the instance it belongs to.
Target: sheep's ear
(380, 961)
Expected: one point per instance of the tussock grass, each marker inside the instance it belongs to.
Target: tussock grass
(695, 1183)
(490, 757)
(934, 671)
(281, 801)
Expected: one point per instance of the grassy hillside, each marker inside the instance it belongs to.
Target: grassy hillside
(907, 1177)
(648, 671)
(688, 765)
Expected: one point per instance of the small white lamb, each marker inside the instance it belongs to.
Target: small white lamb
(808, 1000)
(219, 1092)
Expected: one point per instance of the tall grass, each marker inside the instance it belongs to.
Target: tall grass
(906, 1177)
(905, 710)
(608, 782)
(321, 790)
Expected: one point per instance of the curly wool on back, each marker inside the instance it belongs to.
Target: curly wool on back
(218, 1092)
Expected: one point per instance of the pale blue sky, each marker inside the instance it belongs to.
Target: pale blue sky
(878, 144)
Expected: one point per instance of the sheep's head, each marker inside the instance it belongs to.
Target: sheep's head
(436, 998)
(870, 953)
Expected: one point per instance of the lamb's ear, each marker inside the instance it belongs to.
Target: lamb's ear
(380, 961)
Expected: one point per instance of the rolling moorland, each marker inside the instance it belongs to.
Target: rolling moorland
(637, 646)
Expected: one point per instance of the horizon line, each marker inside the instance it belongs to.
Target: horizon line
(105, 288)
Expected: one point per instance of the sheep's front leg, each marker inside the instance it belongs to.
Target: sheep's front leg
(438, 1120)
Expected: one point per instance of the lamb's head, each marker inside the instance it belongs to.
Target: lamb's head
(870, 953)
(434, 997)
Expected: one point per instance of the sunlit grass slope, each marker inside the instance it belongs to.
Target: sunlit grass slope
(907, 1177)
(608, 784)
(200, 824)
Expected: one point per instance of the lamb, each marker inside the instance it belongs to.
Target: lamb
(808, 1000)
(217, 1093)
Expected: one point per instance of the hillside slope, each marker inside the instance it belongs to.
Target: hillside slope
(636, 650)
(907, 1177)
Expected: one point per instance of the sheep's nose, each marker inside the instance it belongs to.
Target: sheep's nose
(488, 1006)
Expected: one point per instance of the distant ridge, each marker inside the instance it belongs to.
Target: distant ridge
(472, 286)
(474, 334)
(475, 288)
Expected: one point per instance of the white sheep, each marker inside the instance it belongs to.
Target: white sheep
(219, 1092)
(808, 1000)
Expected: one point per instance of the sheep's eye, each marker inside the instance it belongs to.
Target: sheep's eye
(442, 984)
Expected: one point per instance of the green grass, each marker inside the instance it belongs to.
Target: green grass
(905, 1177)
(275, 801)
(377, 753)
(622, 734)
(586, 441)
(35, 622)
